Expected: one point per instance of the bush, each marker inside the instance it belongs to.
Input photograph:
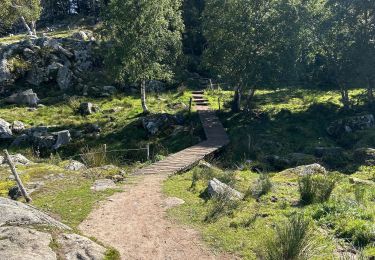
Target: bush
(201, 173)
(222, 205)
(262, 186)
(94, 157)
(357, 231)
(315, 188)
(293, 240)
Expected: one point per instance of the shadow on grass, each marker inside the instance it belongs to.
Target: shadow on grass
(257, 134)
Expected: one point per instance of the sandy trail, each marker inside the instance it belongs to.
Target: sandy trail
(135, 223)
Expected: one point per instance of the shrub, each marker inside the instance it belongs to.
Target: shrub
(93, 157)
(293, 240)
(222, 205)
(201, 173)
(262, 186)
(315, 188)
(357, 231)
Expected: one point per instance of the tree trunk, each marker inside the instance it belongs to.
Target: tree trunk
(250, 96)
(345, 98)
(29, 31)
(236, 104)
(33, 27)
(143, 97)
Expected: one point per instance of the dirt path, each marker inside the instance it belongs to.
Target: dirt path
(135, 223)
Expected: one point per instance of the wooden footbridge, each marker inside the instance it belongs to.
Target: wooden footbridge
(216, 138)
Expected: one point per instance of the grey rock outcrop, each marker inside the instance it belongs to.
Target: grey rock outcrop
(24, 243)
(62, 138)
(302, 170)
(76, 247)
(64, 78)
(27, 97)
(5, 131)
(218, 189)
(20, 214)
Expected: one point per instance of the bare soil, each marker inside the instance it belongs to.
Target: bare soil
(135, 223)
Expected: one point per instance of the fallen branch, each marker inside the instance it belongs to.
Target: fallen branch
(16, 176)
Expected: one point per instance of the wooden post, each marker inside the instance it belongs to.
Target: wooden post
(18, 180)
(211, 86)
(105, 148)
(148, 151)
(190, 104)
(218, 101)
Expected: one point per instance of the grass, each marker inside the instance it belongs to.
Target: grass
(120, 129)
(282, 123)
(293, 240)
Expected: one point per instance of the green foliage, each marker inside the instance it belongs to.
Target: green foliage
(13, 10)
(358, 231)
(222, 205)
(112, 254)
(293, 240)
(261, 187)
(315, 188)
(145, 38)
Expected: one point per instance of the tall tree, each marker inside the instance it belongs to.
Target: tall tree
(26, 11)
(145, 38)
(244, 42)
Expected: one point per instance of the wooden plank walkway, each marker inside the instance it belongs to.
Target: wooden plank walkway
(185, 159)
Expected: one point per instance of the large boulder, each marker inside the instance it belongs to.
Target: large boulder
(310, 169)
(365, 156)
(62, 138)
(218, 189)
(27, 97)
(155, 123)
(5, 74)
(20, 214)
(350, 124)
(76, 247)
(87, 108)
(24, 243)
(5, 131)
(64, 77)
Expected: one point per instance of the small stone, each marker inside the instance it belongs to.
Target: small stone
(172, 202)
(18, 127)
(75, 166)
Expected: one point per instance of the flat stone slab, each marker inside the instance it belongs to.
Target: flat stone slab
(172, 202)
(103, 184)
(76, 247)
(14, 213)
(23, 243)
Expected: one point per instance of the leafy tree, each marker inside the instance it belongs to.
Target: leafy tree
(145, 38)
(27, 11)
(252, 44)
